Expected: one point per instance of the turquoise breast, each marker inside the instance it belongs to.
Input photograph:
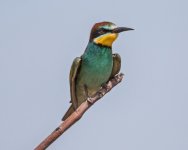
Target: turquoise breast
(96, 66)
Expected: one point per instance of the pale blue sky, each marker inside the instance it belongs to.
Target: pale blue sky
(39, 40)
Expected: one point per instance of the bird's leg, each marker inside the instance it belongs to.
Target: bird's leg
(106, 86)
(103, 85)
(89, 99)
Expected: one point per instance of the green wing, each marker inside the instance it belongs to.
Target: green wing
(72, 79)
(116, 64)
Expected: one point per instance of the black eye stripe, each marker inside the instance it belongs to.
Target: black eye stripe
(102, 31)
(99, 32)
(106, 30)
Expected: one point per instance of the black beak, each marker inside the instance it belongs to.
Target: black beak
(121, 29)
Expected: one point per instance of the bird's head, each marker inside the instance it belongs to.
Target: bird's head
(105, 33)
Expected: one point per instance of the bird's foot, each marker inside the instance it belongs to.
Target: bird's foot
(90, 100)
(100, 94)
(104, 85)
(107, 85)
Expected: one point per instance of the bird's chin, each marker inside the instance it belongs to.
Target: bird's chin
(107, 39)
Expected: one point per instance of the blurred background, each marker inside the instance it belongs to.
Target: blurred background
(39, 40)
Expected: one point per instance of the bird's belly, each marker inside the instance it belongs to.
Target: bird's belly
(98, 77)
(93, 78)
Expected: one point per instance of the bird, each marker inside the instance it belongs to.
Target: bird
(96, 66)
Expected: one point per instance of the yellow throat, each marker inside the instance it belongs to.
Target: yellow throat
(106, 39)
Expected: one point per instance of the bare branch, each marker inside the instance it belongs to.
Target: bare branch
(75, 116)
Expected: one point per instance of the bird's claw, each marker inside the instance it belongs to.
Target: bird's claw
(103, 85)
(90, 100)
(100, 94)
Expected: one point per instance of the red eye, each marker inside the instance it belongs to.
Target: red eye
(101, 31)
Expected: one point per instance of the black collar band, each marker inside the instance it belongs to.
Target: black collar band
(102, 45)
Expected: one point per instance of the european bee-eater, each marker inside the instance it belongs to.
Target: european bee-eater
(96, 66)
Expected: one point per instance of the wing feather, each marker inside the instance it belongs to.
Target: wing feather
(72, 79)
(116, 64)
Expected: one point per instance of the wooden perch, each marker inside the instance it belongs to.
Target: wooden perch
(75, 116)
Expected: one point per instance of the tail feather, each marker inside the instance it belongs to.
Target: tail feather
(68, 113)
